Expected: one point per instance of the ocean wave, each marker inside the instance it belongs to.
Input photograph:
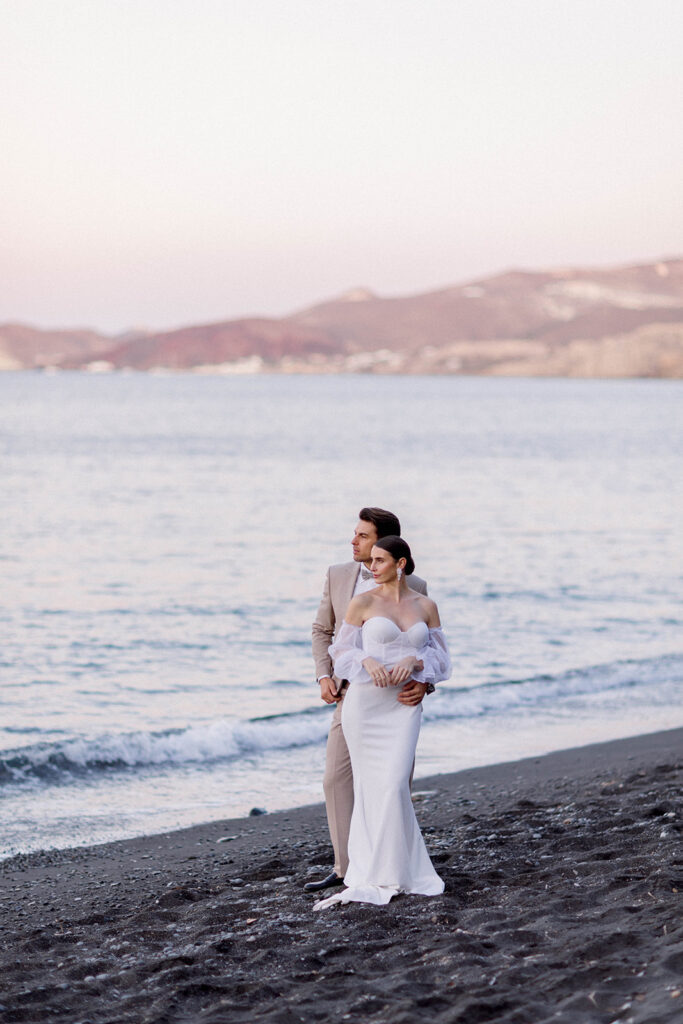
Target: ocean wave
(220, 741)
(69, 760)
(657, 676)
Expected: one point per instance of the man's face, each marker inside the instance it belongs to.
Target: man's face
(364, 536)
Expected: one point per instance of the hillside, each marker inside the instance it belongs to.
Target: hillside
(612, 322)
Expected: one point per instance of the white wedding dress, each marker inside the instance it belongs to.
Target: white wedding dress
(387, 854)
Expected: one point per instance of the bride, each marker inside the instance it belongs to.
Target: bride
(391, 634)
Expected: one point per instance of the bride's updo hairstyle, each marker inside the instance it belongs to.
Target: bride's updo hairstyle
(397, 548)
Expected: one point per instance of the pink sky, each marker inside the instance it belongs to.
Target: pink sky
(166, 162)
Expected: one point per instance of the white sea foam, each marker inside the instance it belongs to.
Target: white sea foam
(217, 741)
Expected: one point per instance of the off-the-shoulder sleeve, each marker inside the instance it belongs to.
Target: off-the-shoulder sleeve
(347, 652)
(436, 658)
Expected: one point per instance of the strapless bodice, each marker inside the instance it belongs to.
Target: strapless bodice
(380, 630)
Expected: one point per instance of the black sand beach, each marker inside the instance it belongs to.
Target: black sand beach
(563, 903)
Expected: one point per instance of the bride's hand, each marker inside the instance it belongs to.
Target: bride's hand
(403, 670)
(377, 672)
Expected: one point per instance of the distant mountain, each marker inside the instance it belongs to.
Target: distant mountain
(23, 347)
(256, 341)
(611, 322)
(537, 323)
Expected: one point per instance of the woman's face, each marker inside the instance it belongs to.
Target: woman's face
(382, 566)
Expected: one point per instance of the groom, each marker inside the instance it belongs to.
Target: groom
(343, 582)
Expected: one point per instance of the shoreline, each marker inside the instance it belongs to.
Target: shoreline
(563, 878)
(569, 758)
(261, 799)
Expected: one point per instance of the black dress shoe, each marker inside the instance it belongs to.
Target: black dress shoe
(326, 883)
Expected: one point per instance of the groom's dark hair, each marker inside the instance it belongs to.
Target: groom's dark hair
(386, 523)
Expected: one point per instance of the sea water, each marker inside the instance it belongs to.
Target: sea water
(163, 546)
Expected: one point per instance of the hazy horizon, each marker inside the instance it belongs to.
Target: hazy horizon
(259, 314)
(166, 164)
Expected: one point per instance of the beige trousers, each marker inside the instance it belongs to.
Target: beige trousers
(338, 787)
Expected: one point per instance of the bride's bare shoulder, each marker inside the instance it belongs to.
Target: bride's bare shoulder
(430, 611)
(356, 613)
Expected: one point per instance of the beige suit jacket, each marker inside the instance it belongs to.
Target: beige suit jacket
(340, 582)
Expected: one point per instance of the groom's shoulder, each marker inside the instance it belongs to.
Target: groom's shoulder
(341, 568)
(417, 583)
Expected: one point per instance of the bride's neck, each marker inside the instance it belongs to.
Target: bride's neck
(394, 591)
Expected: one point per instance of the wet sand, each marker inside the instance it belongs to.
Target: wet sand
(563, 903)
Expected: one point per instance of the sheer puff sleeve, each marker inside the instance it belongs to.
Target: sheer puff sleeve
(436, 658)
(347, 653)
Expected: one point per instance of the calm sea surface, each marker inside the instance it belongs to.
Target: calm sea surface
(163, 545)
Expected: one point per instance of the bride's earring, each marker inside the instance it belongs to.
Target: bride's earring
(399, 574)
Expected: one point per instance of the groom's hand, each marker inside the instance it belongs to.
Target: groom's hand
(328, 691)
(412, 693)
